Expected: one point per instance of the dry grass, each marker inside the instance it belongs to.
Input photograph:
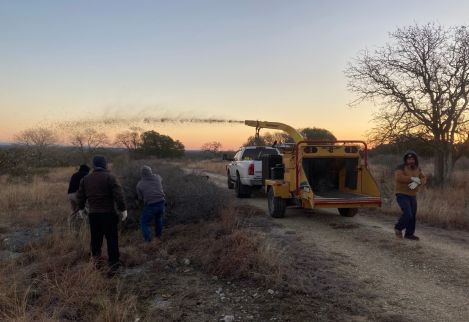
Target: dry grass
(54, 280)
(445, 207)
(213, 166)
(28, 203)
(224, 248)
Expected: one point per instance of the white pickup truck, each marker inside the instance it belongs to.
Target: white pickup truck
(244, 172)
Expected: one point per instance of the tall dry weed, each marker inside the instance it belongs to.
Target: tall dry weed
(31, 203)
(55, 280)
(15, 297)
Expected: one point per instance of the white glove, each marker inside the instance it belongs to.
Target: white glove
(413, 185)
(416, 180)
(81, 213)
(124, 215)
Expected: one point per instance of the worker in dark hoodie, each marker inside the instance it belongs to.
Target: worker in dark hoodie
(150, 191)
(104, 194)
(74, 184)
(408, 179)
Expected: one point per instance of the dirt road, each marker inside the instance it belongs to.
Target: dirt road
(366, 270)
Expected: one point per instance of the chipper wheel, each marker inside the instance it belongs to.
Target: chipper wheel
(348, 212)
(277, 206)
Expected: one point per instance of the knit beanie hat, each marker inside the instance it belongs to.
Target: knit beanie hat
(146, 171)
(411, 154)
(99, 162)
(84, 168)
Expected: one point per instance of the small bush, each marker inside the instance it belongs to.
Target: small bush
(189, 197)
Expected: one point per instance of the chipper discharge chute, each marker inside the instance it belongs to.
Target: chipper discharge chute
(317, 174)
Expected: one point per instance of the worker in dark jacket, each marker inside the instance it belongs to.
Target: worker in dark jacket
(104, 194)
(408, 179)
(150, 191)
(75, 184)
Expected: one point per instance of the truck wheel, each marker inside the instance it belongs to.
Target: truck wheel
(277, 206)
(242, 191)
(348, 212)
(230, 182)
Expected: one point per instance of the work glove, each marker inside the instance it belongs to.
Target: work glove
(124, 215)
(416, 180)
(413, 185)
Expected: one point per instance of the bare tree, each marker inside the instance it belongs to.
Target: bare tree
(269, 138)
(37, 137)
(129, 139)
(88, 141)
(36, 141)
(421, 78)
(212, 147)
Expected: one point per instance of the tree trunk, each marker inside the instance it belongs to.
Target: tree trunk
(443, 164)
(449, 165)
(438, 168)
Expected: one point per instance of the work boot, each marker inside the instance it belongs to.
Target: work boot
(411, 237)
(156, 241)
(113, 269)
(98, 263)
(398, 233)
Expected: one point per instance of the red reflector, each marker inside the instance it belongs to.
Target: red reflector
(251, 169)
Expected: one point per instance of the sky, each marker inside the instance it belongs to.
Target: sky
(280, 61)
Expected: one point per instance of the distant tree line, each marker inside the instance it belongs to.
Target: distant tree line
(39, 148)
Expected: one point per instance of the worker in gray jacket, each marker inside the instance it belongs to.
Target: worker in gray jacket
(150, 191)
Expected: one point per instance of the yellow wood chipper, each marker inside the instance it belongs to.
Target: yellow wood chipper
(317, 174)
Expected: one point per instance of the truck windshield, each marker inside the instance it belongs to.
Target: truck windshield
(257, 153)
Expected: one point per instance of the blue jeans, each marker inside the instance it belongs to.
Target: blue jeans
(152, 212)
(408, 205)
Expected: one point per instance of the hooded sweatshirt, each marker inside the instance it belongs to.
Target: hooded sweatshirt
(76, 178)
(149, 188)
(403, 174)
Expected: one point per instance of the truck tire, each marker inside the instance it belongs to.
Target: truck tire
(277, 206)
(230, 182)
(348, 212)
(242, 191)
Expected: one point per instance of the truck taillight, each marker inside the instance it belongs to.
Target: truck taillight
(251, 169)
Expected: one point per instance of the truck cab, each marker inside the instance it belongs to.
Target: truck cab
(244, 172)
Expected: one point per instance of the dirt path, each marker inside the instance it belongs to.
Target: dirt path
(393, 279)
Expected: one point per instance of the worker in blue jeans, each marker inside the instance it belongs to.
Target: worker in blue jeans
(408, 180)
(150, 190)
(152, 213)
(408, 205)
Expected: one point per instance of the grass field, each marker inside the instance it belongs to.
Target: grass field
(47, 273)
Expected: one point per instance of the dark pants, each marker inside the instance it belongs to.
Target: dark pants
(72, 197)
(104, 225)
(408, 205)
(152, 213)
